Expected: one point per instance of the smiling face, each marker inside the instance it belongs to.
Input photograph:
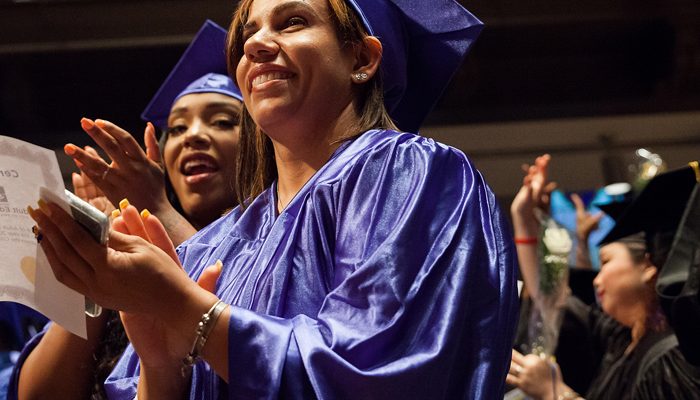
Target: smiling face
(294, 71)
(200, 154)
(623, 283)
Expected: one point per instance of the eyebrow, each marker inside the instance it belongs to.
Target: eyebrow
(209, 106)
(280, 9)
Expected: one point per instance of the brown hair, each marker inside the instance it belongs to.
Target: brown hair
(256, 168)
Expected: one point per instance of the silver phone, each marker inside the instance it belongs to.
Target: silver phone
(95, 222)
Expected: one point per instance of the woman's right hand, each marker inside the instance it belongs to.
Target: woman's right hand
(131, 169)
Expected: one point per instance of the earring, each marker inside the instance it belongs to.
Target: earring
(360, 76)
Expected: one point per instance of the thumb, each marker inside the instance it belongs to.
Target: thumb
(207, 280)
(152, 148)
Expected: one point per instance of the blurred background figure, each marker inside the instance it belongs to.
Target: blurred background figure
(627, 346)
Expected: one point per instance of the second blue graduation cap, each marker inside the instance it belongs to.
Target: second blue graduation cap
(201, 69)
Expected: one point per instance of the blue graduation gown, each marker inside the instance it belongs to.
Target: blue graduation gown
(390, 275)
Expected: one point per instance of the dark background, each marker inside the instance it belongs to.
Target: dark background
(539, 63)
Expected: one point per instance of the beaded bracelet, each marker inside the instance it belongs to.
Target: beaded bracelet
(204, 328)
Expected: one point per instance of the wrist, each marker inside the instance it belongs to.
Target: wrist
(161, 383)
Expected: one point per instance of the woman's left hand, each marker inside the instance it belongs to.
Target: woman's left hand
(131, 275)
(534, 375)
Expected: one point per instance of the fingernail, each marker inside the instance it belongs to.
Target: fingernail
(115, 213)
(44, 207)
(37, 233)
(87, 123)
(124, 204)
(145, 213)
(101, 123)
(219, 265)
(69, 149)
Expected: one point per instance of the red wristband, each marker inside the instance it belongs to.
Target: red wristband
(526, 240)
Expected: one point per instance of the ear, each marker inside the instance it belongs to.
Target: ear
(649, 274)
(368, 57)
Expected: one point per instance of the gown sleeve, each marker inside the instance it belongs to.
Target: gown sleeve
(13, 385)
(422, 301)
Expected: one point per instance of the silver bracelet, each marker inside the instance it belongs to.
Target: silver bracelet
(204, 328)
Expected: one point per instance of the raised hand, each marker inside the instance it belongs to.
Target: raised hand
(132, 173)
(86, 189)
(585, 221)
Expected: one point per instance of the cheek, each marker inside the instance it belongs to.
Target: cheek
(170, 152)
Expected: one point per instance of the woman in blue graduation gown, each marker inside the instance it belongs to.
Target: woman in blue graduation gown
(363, 262)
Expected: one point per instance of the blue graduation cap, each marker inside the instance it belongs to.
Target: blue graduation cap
(424, 44)
(201, 69)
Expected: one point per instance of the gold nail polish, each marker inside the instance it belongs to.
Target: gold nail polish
(44, 207)
(145, 213)
(116, 213)
(124, 204)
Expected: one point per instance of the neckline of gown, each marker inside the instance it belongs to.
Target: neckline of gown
(340, 151)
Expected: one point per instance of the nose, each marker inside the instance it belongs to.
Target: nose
(260, 47)
(598, 280)
(197, 136)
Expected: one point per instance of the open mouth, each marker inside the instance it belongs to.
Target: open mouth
(267, 75)
(199, 167)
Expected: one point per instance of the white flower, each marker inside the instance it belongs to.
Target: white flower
(557, 241)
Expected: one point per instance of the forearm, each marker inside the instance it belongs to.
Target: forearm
(583, 259)
(177, 226)
(62, 364)
(527, 255)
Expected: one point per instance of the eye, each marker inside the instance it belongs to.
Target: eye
(176, 130)
(225, 123)
(294, 21)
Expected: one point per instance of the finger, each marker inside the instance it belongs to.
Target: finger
(513, 380)
(62, 273)
(152, 147)
(578, 202)
(127, 142)
(133, 220)
(159, 236)
(79, 186)
(550, 187)
(517, 357)
(92, 165)
(103, 139)
(53, 224)
(119, 225)
(207, 280)
(92, 190)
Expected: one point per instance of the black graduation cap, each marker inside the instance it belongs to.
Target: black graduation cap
(658, 208)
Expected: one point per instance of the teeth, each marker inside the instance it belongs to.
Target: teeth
(260, 79)
(189, 165)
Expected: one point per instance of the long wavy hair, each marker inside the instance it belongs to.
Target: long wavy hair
(256, 168)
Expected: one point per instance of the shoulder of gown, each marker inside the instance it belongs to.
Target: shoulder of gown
(669, 377)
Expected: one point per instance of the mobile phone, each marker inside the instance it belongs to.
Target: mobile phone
(90, 218)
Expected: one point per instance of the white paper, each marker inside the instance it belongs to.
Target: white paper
(25, 275)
